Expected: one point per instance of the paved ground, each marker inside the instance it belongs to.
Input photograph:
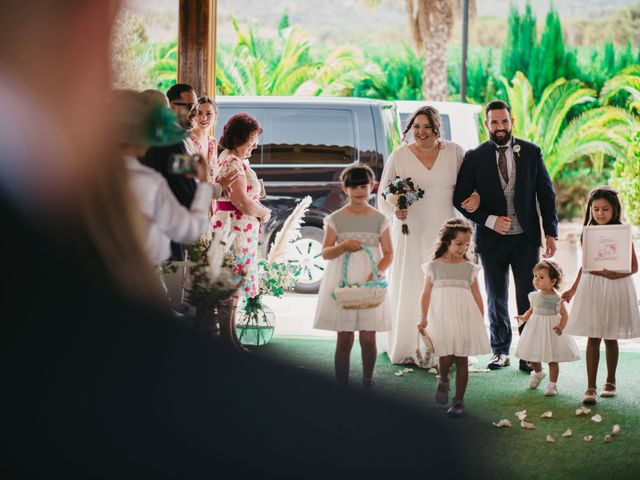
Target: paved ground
(294, 312)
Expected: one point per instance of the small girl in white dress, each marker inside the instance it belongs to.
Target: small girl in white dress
(606, 304)
(546, 319)
(348, 230)
(453, 310)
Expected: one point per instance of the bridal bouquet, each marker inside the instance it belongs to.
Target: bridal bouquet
(400, 194)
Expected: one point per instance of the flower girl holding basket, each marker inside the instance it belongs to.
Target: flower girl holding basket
(352, 296)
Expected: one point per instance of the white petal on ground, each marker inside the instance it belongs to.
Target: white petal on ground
(399, 373)
(568, 433)
(608, 438)
(615, 430)
(597, 418)
(433, 371)
(527, 425)
(550, 439)
(521, 415)
(502, 423)
(548, 414)
(407, 370)
(478, 370)
(588, 438)
(582, 411)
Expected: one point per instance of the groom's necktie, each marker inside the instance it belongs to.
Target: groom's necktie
(502, 164)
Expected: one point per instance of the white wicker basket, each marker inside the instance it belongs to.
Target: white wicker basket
(356, 296)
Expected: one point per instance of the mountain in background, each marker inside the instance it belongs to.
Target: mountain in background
(340, 21)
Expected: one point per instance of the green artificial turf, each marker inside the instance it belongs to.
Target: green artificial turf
(512, 453)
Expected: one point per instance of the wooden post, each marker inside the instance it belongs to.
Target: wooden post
(197, 44)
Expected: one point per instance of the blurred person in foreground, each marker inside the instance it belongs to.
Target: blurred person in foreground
(98, 382)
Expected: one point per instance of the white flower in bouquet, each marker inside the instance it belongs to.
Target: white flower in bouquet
(392, 199)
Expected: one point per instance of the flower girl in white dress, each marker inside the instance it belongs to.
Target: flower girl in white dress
(453, 310)
(543, 339)
(605, 305)
(355, 225)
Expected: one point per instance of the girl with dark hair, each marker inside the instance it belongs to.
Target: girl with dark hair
(606, 304)
(360, 229)
(432, 163)
(546, 319)
(452, 310)
(240, 207)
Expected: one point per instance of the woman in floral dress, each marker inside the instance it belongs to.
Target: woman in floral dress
(240, 207)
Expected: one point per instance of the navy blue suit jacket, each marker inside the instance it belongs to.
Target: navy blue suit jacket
(479, 172)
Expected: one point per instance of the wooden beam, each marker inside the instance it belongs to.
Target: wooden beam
(197, 44)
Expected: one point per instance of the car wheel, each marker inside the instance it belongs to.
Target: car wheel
(307, 253)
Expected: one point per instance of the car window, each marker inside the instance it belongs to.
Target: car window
(444, 119)
(308, 136)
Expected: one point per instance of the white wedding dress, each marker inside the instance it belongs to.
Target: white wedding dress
(424, 220)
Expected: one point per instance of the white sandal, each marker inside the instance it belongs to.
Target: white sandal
(589, 396)
(608, 393)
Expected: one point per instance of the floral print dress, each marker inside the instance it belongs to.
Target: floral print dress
(245, 227)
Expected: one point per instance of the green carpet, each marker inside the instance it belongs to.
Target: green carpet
(512, 453)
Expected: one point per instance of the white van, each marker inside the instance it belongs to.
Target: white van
(460, 121)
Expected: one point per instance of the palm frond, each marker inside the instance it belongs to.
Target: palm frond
(289, 232)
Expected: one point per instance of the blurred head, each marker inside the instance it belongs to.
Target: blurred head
(207, 114)
(241, 134)
(58, 54)
(547, 275)
(158, 96)
(140, 120)
(425, 124)
(454, 238)
(603, 207)
(499, 122)
(184, 101)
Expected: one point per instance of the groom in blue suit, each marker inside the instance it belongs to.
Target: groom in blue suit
(512, 180)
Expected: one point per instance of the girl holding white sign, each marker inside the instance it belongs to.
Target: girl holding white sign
(606, 304)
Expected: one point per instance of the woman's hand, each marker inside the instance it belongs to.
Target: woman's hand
(568, 295)
(422, 326)
(521, 319)
(472, 203)
(606, 274)
(225, 181)
(351, 245)
(401, 214)
(266, 216)
(558, 329)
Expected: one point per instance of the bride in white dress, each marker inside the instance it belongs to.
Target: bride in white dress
(433, 164)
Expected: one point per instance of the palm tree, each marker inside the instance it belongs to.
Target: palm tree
(626, 169)
(258, 67)
(163, 61)
(599, 131)
(431, 22)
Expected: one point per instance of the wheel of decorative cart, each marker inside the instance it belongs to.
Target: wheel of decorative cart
(255, 322)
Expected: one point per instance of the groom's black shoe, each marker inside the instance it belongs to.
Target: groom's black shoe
(498, 361)
(525, 366)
